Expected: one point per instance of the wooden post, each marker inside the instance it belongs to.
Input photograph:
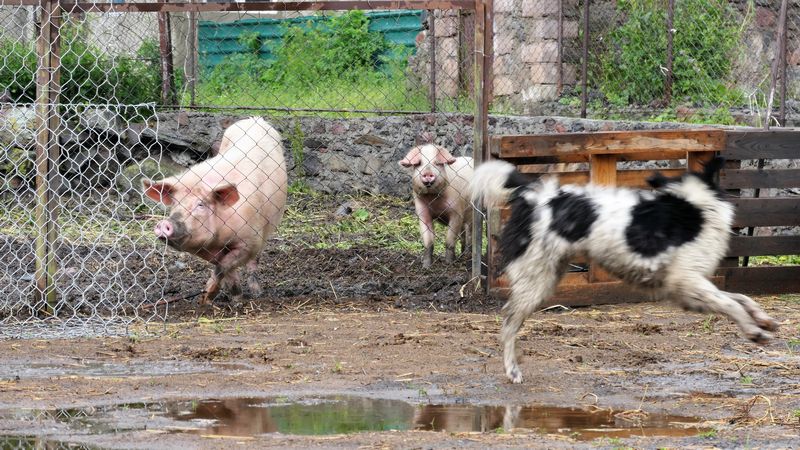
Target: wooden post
(603, 171)
(585, 59)
(695, 161)
(482, 49)
(432, 77)
(47, 96)
(670, 38)
(165, 47)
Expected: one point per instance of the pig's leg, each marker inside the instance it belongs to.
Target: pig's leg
(225, 267)
(229, 265)
(454, 226)
(426, 230)
(213, 286)
(252, 282)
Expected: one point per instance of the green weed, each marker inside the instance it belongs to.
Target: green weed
(710, 434)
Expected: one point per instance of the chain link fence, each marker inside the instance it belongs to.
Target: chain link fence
(697, 61)
(132, 165)
(106, 106)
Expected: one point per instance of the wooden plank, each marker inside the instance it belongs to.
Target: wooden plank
(764, 245)
(764, 212)
(695, 161)
(611, 142)
(762, 280)
(591, 294)
(629, 178)
(521, 159)
(772, 144)
(743, 178)
(262, 5)
(604, 173)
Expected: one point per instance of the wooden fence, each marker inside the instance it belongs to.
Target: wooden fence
(597, 157)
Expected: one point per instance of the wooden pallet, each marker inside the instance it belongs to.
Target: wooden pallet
(595, 157)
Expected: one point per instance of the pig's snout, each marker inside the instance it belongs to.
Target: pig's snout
(427, 179)
(164, 229)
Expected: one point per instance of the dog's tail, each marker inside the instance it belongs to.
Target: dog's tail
(494, 181)
(710, 170)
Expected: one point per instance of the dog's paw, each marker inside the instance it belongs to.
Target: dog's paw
(767, 323)
(515, 375)
(759, 337)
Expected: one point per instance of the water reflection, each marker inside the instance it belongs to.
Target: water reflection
(334, 415)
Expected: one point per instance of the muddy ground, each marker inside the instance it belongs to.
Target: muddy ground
(641, 359)
(368, 322)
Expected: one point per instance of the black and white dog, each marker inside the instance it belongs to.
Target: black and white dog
(667, 241)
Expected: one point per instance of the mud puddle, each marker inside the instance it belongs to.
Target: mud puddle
(346, 414)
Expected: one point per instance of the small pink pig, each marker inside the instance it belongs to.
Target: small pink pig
(225, 209)
(440, 183)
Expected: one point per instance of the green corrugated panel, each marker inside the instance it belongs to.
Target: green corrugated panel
(218, 40)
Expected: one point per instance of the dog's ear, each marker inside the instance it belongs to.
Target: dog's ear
(657, 180)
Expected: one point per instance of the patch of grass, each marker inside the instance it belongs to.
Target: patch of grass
(746, 380)
(369, 93)
(708, 324)
(380, 221)
(710, 434)
(781, 260)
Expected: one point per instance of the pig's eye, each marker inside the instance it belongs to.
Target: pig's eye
(200, 205)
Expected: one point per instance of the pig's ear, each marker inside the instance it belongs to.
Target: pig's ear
(226, 194)
(412, 158)
(443, 156)
(160, 191)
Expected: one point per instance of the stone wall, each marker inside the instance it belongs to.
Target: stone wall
(361, 154)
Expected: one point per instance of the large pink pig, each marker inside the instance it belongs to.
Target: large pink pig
(225, 209)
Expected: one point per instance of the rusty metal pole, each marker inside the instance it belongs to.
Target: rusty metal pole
(432, 77)
(776, 64)
(165, 47)
(483, 14)
(560, 49)
(670, 38)
(48, 89)
(584, 62)
(191, 63)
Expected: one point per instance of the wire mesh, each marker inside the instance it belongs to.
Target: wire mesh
(145, 93)
(143, 150)
(696, 61)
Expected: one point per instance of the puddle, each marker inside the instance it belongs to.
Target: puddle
(351, 414)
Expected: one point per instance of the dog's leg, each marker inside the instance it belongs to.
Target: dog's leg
(754, 309)
(532, 282)
(699, 294)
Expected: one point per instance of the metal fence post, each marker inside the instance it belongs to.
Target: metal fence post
(165, 47)
(776, 64)
(670, 39)
(483, 14)
(432, 76)
(585, 59)
(47, 152)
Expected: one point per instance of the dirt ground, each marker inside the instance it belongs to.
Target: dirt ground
(642, 359)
